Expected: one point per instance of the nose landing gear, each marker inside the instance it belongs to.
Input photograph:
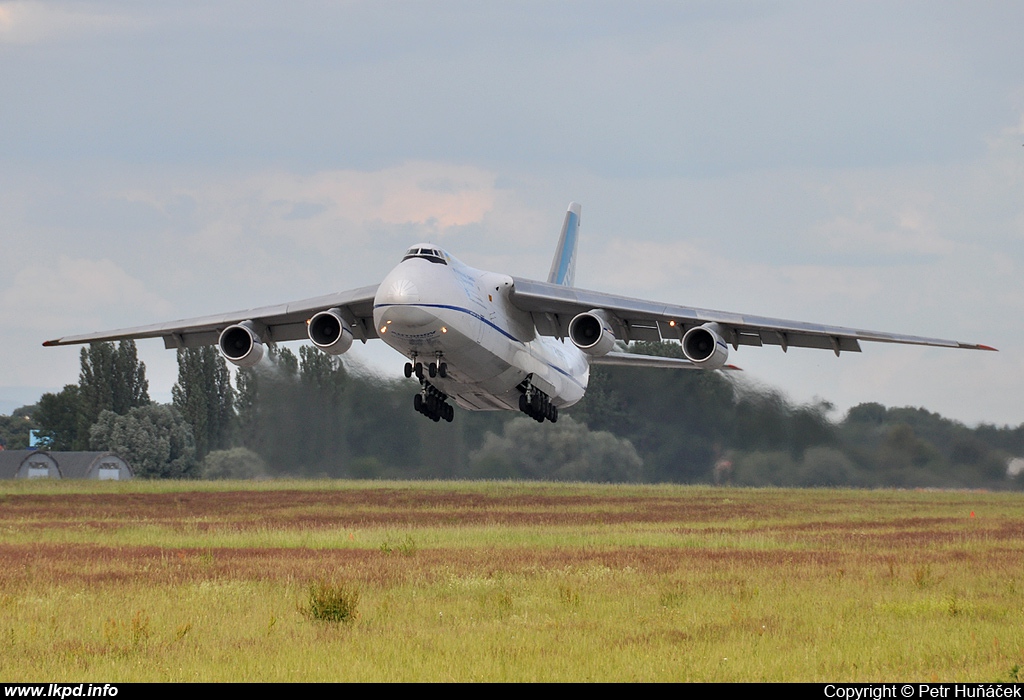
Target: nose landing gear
(438, 368)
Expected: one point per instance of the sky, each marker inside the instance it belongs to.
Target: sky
(854, 164)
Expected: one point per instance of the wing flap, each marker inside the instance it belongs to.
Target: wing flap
(190, 340)
(806, 340)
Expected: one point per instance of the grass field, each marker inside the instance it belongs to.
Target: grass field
(193, 581)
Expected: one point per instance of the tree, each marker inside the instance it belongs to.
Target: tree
(285, 361)
(323, 374)
(322, 411)
(57, 416)
(111, 379)
(247, 396)
(204, 397)
(131, 388)
(154, 439)
(15, 428)
(676, 420)
(236, 463)
(867, 413)
(562, 451)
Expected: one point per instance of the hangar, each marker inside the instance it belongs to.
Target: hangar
(40, 464)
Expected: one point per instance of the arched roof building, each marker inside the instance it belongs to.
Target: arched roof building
(28, 464)
(36, 464)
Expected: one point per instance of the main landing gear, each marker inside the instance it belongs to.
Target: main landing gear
(431, 402)
(537, 405)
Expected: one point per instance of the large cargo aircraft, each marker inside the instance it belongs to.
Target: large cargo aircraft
(489, 341)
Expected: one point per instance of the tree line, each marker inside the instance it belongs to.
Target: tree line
(312, 415)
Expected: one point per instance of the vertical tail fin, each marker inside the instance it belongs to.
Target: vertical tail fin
(563, 267)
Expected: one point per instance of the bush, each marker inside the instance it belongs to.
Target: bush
(563, 451)
(826, 466)
(775, 468)
(236, 463)
(331, 602)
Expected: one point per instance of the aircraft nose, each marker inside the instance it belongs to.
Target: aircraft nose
(406, 317)
(397, 299)
(400, 291)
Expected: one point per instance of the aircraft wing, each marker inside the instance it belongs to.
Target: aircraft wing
(554, 306)
(282, 322)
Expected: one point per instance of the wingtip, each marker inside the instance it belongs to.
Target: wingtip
(987, 347)
(50, 343)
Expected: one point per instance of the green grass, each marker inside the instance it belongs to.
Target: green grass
(435, 581)
(331, 602)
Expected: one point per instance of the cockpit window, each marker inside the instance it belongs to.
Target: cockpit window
(432, 254)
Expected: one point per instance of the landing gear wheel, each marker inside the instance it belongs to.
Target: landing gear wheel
(417, 369)
(442, 370)
(432, 369)
(536, 404)
(408, 370)
(417, 403)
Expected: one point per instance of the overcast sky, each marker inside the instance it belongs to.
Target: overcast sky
(856, 164)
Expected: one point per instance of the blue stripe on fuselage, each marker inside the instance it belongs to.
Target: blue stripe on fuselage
(501, 330)
(460, 309)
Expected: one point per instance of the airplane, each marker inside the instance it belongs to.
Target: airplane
(489, 341)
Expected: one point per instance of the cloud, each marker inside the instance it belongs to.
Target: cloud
(438, 195)
(73, 294)
(37, 22)
(647, 267)
(325, 211)
(913, 234)
(261, 235)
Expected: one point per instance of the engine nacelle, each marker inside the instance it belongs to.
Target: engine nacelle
(704, 347)
(241, 345)
(329, 332)
(591, 332)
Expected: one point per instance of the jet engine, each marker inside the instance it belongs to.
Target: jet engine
(591, 332)
(241, 345)
(704, 347)
(329, 332)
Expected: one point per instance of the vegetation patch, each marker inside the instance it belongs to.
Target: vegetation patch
(331, 602)
(441, 581)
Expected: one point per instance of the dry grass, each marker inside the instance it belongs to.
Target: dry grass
(500, 582)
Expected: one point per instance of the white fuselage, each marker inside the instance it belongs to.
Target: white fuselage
(436, 308)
